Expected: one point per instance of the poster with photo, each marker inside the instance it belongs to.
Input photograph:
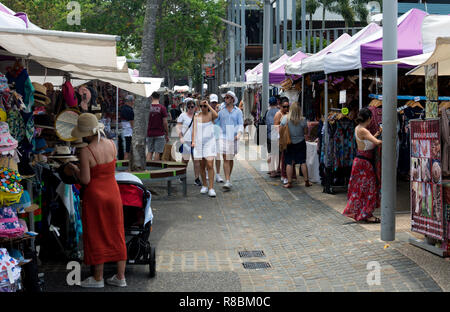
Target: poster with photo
(426, 179)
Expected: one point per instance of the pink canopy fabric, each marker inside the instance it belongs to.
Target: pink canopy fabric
(409, 40)
(277, 75)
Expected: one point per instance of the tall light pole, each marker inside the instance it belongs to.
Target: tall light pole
(278, 12)
(294, 25)
(266, 56)
(243, 37)
(304, 26)
(285, 23)
(389, 153)
(231, 40)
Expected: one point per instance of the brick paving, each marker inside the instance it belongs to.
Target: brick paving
(310, 246)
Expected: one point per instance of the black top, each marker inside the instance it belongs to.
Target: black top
(126, 113)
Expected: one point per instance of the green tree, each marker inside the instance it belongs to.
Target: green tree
(344, 8)
(360, 9)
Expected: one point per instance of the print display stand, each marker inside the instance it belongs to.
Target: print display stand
(429, 210)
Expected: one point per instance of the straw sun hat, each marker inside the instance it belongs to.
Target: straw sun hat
(88, 125)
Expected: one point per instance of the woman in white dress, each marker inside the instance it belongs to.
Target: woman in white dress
(204, 144)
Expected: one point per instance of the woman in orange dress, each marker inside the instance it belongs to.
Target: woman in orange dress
(102, 214)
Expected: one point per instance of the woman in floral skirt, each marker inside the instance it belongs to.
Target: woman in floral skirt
(363, 192)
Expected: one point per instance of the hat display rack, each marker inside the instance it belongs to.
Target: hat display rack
(36, 147)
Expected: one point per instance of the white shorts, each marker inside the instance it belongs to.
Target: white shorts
(228, 147)
(205, 150)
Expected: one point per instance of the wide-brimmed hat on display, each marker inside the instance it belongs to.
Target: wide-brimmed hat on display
(63, 152)
(7, 142)
(40, 94)
(79, 143)
(233, 95)
(44, 121)
(65, 123)
(88, 125)
(10, 188)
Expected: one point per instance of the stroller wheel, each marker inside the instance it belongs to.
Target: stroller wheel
(152, 264)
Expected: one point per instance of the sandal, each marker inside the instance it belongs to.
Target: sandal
(287, 185)
(307, 183)
(376, 220)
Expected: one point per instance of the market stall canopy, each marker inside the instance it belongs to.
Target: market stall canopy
(236, 84)
(440, 55)
(252, 77)
(315, 62)
(277, 75)
(279, 62)
(348, 56)
(11, 19)
(409, 36)
(434, 26)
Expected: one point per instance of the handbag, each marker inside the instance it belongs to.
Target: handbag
(285, 137)
(180, 149)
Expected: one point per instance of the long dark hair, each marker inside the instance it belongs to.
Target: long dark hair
(363, 115)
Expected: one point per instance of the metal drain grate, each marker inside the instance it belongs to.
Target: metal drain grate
(251, 254)
(256, 265)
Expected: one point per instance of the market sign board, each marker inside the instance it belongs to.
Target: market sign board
(427, 215)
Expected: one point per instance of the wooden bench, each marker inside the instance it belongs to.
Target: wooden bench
(169, 171)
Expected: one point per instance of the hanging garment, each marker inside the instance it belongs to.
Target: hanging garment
(103, 221)
(377, 119)
(363, 193)
(344, 146)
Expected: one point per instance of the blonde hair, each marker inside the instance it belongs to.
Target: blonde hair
(295, 113)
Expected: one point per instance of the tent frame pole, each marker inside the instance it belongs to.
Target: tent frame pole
(325, 123)
(360, 88)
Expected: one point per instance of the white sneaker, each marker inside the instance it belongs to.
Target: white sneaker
(285, 181)
(114, 281)
(219, 178)
(212, 193)
(204, 190)
(90, 282)
(227, 186)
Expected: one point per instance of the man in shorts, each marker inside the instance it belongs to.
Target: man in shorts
(231, 123)
(158, 129)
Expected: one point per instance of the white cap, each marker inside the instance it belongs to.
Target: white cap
(213, 98)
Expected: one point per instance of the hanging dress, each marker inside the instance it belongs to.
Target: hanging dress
(363, 192)
(102, 217)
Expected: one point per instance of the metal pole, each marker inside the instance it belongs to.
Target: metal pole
(360, 88)
(304, 26)
(294, 25)
(271, 31)
(303, 92)
(232, 47)
(325, 122)
(389, 153)
(237, 20)
(285, 26)
(266, 52)
(117, 117)
(278, 27)
(243, 36)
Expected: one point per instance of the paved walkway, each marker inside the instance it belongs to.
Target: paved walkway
(309, 245)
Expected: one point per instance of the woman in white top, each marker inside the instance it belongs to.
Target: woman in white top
(185, 125)
(364, 191)
(204, 144)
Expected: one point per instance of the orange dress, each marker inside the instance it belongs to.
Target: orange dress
(102, 217)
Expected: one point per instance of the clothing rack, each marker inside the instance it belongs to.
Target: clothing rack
(409, 97)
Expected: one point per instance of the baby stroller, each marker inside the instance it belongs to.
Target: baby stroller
(138, 219)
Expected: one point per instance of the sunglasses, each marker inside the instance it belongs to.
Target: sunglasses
(203, 106)
(191, 106)
(286, 106)
(228, 97)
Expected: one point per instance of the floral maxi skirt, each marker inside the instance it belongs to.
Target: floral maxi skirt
(363, 190)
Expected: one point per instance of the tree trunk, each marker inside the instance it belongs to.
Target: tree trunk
(138, 157)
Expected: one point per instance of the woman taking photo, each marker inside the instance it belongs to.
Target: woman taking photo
(102, 214)
(184, 129)
(296, 151)
(363, 191)
(204, 144)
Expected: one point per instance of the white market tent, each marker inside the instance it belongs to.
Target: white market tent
(315, 63)
(347, 57)
(82, 55)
